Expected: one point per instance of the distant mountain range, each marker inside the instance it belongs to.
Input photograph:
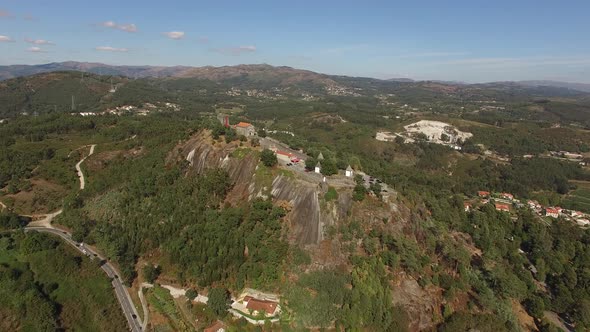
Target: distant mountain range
(574, 86)
(277, 75)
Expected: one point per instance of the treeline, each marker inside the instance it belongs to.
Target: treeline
(518, 139)
(10, 220)
(44, 287)
(521, 177)
(324, 298)
(558, 255)
(140, 204)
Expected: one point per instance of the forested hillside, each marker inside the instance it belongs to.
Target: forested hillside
(413, 242)
(45, 286)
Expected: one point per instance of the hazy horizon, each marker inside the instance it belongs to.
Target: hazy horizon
(464, 42)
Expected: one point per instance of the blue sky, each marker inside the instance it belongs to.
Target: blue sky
(472, 41)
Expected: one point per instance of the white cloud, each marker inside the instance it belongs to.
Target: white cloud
(111, 49)
(236, 50)
(174, 34)
(35, 49)
(39, 41)
(128, 27)
(5, 39)
(123, 27)
(109, 24)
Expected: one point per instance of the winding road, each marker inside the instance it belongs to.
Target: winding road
(122, 295)
(44, 225)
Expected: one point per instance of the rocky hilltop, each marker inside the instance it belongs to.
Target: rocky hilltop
(312, 218)
(308, 214)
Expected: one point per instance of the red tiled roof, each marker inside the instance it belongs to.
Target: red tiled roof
(259, 305)
(217, 326)
(483, 193)
(502, 207)
(284, 153)
(551, 210)
(243, 124)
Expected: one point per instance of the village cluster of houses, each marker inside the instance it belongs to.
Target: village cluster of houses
(571, 156)
(566, 154)
(505, 201)
(144, 110)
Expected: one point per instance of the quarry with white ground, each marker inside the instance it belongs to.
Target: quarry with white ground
(437, 132)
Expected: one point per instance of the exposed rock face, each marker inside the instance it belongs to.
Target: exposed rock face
(203, 155)
(307, 218)
(418, 303)
(306, 224)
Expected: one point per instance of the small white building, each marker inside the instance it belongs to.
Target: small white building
(318, 168)
(349, 172)
(245, 128)
(320, 156)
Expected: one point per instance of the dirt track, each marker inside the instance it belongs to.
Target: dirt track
(79, 169)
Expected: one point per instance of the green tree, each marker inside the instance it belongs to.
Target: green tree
(268, 158)
(151, 272)
(329, 167)
(331, 194)
(535, 306)
(191, 293)
(376, 188)
(310, 163)
(230, 135)
(359, 192)
(218, 301)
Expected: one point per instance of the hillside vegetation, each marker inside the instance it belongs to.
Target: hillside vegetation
(46, 286)
(394, 250)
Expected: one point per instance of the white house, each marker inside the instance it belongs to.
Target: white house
(318, 168)
(349, 172)
(245, 128)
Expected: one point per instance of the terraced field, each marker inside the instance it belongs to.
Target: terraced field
(579, 199)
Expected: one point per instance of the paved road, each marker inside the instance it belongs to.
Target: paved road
(122, 295)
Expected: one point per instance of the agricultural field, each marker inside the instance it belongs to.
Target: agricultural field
(579, 199)
(168, 313)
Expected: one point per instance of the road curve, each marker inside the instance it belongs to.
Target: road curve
(122, 295)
